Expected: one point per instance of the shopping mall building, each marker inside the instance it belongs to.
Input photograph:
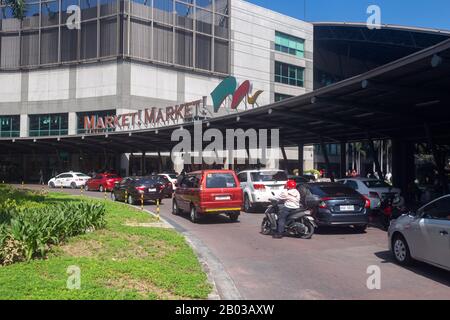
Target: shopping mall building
(129, 57)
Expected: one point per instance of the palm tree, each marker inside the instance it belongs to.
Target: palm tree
(18, 8)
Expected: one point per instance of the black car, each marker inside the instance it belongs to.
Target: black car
(167, 186)
(299, 179)
(133, 189)
(334, 204)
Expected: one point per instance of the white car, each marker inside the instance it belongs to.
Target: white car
(423, 235)
(72, 180)
(172, 177)
(374, 189)
(259, 186)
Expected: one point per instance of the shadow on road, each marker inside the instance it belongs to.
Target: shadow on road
(419, 268)
(210, 220)
(337, 231)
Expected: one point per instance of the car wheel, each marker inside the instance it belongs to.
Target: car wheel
(101, 189)
(113, 196)
(401, 251)
(130, 200)
(86, 187)
(360, 229)
(234, 217)
(194, 215)
(175, 210)
(73, 185)
(52, 185)
(247, 204)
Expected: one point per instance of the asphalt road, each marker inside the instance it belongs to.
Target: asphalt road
(332, 265)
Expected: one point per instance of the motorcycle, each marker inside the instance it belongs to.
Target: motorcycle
(298, 224)
(389, 211)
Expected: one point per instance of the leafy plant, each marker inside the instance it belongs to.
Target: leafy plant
(18, 8)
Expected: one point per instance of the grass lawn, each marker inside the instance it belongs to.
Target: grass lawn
(119, 262)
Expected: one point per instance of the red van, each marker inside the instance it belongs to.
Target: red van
(208, 192)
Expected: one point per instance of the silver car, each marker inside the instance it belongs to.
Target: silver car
(423, 235)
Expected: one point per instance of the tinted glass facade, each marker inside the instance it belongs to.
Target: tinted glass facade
(289, 74)
(49, 125)
(289, 44)
(9, 126)
(185, 33)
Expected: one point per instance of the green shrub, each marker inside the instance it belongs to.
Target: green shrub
(32, 231)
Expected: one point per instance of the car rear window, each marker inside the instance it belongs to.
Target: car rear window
(146, 180)
(269, 176)
(172, 176)
(376, 184)
(112, 176)
(333, 191)
(220, 181)
(82, 175)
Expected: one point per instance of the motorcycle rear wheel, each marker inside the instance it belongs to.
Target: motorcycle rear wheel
(310, 230)
(266, 227)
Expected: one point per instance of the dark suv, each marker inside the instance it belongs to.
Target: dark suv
(334, 204)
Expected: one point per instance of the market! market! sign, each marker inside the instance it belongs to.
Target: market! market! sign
(147, 117)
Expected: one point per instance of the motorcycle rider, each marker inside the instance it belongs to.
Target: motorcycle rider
(291, 198)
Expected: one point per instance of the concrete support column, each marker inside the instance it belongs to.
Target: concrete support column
(343, 159)
(143, 164)
(301, 159)
(24, 125)
(327, 161)
(125, 164)
(72, 123)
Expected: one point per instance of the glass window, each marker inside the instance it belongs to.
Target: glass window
(31, 19)
(184, 15)
(108, 37)
(184, 48)
(269, 176)
(64, 5)
(141, 39)
(108, 7)
(204, 21)
(220, 181)
(281, 97)
(221, 26)
(49, 45)
(163, 11)
(141, 8)
(289, 44)
(49, 125)
(242, 177)
(88, 9)
(333, 191)
(163, 43)
(29, 53)
(69, 44)
(9, 126)
(203, 52)
(289, 74)
(352, 184)
(10, 50)
(88, 48)
(438, 210)
(50, 13)
(205, 4)
(222, 6)
(221, 56)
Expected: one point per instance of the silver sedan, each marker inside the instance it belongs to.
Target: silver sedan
(423, 235)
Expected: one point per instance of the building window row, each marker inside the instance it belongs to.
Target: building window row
(289, 74)
(281, 97)
(289, 44)
(49, 125)
(186, 33)
(9, 126)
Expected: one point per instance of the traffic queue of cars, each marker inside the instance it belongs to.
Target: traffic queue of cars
(422, 235)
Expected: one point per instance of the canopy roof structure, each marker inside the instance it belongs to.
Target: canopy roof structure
(402, 100)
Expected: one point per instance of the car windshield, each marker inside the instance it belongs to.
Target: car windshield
(172, 176)
(220, 181)
(269, 176)
(146, 181)
(333, 191)
(376, 184)
(112, 176)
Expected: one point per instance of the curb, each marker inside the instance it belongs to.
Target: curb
(223, 286)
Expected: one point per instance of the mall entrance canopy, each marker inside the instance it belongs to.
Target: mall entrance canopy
(406, 101)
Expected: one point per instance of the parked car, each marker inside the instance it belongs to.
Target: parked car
(334, 204)
(423, 235)
(133, 189)
(209, 192)
(102, 182)
(166, 185)
(299, 179)
(172, 177)
(374, 189)
(72, 180)
(259, 186)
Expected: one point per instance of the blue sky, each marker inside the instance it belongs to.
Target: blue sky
(417, 13)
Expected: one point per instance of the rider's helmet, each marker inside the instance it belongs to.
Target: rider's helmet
(291, 184)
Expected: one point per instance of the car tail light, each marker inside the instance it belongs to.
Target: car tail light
(374, 195)
(259, 187)
(141, 188)
(323, 204)
(367, 204)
